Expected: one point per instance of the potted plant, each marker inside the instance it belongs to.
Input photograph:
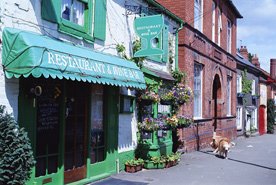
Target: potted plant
(172, 121)
(167, 98)
(172, 159)
(155, 162)
(148, 125)
(134, 165)
(149, 97)
(182, 93)
(184, 121)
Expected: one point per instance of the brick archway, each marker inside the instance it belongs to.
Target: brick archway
(216, 97)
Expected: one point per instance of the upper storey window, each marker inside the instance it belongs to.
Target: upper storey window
(73, 11)
(229, 35)
(198, 9)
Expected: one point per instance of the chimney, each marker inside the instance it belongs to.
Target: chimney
(273, 68)
(255, 61)
(244, 52)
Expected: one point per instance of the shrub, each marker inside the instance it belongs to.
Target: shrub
(16, 156)
(270, 116)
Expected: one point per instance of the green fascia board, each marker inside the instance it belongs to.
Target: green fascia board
(167, 12)
(26, 53)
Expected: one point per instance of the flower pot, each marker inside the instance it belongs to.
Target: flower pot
(166, 102)
(151, 165)
(146, 102)
(180, 102)
(133, 169)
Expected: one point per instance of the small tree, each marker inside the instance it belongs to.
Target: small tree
(270, 116)
(16, 156)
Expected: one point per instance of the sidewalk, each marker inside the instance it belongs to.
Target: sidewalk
(251, 162)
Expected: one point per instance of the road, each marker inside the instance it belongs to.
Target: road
(251, 162)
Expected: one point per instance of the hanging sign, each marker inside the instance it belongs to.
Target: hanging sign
(148, 28)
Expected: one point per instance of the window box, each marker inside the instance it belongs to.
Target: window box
(240, 95)
(254, 97)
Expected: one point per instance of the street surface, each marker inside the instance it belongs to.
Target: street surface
(251, 162)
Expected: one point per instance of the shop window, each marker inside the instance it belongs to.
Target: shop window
(126, 104)
(198, 90)
(97, 142)
(47, 129)
(75, 17)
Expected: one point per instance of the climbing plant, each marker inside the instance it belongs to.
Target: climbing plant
(16, 156)
(246, 83)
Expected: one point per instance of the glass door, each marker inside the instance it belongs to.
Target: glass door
(76, 119)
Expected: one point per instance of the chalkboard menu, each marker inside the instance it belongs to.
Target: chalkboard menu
(47, 114)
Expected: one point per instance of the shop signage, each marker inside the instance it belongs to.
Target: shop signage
(148, 28)
(86, 66)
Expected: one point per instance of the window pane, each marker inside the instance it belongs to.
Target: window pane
(197, 90)
(66, 10)
(97, 125)
(78, 13)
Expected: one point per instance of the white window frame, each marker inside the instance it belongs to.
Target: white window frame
(199, 108)
(213, 21)
(198, 15)
(239, 118)
(239, 83)
(229, 36)
(254, 119)
(219, 26)
(228, 95)
(253, 87)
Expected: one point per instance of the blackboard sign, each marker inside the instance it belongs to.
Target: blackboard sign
(47, 114)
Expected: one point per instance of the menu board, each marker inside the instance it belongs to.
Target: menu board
(47, 114)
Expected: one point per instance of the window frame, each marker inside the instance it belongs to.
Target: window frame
(219, 26)
(253, 87)
(239, 83)
(228, 95)
(199, 115)
(198, 18)
(229, 36)
(213, 21)
(75, 29)
(239, 118)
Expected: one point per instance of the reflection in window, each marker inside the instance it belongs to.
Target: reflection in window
(197, 90)
(73, 10)
(97, 153)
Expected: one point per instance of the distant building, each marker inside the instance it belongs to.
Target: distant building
(207, 50)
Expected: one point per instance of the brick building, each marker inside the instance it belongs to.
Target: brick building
(207, 49)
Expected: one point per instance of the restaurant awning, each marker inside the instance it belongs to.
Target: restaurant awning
(26, 53)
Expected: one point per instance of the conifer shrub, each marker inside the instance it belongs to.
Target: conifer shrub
(270, 116)
(16, 156)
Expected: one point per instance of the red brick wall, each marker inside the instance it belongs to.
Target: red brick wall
(195, 46)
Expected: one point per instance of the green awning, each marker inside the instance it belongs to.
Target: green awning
(25, 53)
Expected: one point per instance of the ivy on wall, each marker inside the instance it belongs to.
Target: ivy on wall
(246, 83)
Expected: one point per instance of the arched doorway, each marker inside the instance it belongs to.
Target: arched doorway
(215, 97)
(262, 119)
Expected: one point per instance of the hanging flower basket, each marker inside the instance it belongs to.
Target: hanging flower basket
(166, 102)
(182, 94)
(149, 97)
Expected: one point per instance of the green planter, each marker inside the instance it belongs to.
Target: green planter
(151, 165)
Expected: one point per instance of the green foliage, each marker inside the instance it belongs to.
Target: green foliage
(250, 56)
(179, 77)
(16, 156)
(121, 50)
(270, 116)
(246, 84)
(136, 47)
(134, 162)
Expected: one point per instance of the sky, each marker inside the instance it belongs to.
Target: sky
(257, 29)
